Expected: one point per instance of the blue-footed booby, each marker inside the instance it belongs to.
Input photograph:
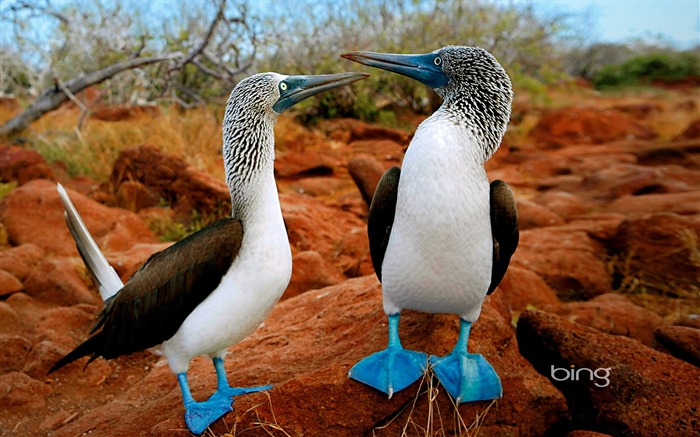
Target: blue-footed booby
(441, 236)
(215, 287)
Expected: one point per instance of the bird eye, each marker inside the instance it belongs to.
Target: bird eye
(437, 61)
(283, 86)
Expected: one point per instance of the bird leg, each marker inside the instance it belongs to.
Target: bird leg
(199, 415)
(224, 390)
(392, 369)
(467, 377)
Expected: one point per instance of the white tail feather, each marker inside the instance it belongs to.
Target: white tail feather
(102, 273)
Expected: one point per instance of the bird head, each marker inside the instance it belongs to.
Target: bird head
(449, 70)
(476, 89)
(274, 93)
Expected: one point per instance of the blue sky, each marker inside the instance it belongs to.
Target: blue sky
(676, 21)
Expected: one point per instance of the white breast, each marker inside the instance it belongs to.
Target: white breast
(247, 293)
(439, 256)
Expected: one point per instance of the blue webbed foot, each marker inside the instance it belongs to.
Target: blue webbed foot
(467, 377)
(392, 369)
(199, 415)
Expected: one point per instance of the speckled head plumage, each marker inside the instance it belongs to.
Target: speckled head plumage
(476, 89)
(479, 92)
(252, 110)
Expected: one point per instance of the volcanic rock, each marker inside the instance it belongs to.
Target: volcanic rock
(311, 271)
(366, 171)
(533, 215)
(568, 261)
(113, 229)
(306, 348)
(522, 288)
(21, 260)
(683, 342)
(22, 165)
(9, 283)
(614, 314)
(587, 125)
(620, 386)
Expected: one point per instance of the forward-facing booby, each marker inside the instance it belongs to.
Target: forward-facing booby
(440, 235)
(215, 287)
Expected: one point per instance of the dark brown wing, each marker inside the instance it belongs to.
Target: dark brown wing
(381, 217)
(162, 293)
(504, 227)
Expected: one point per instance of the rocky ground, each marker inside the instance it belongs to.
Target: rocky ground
(606, 279)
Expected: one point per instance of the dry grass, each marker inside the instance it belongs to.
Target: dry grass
(194, 135)
(426, 399)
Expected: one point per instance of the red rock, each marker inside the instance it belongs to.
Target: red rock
(598, 225)
(532, 215)
(135, 196)
(522, 288)
(169, 177)
(386, 152)
(353, 253)
(63, 325)
(21, 392)
(21, 260)
(126, 262)
(618, 180)
(566, 260)
(366, 172)
(683, 342)
(45, 353)
(580, 125)
(310, 272)
(9, 283)
(680, 203)
(312, 394)
(22, 165)
(19, 313)
(307, 163)
(10, 322)
(583, 433)
(124, 112)
(649, 392)
(313, 225)
(678, 153)
(565, 204)
(14, 351)
(660, 251)
(690, 133)
(113, 229)
(57, 281)
(614, 314)
(360, 130)
(638, 110)
(320, 186)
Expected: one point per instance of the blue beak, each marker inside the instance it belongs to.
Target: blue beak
(294, 89)
(423, 68)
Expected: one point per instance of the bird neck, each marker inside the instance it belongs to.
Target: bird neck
(484, 117)
(249, 153)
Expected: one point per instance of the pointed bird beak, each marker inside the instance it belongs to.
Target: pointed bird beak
(423, 68)
(299, 88)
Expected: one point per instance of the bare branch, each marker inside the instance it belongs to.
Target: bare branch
(210, 32)
(51, 98)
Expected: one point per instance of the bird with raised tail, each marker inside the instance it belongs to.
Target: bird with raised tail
(441, 237)
(215, 287)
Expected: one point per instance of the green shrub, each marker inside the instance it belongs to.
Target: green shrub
(649, 68)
